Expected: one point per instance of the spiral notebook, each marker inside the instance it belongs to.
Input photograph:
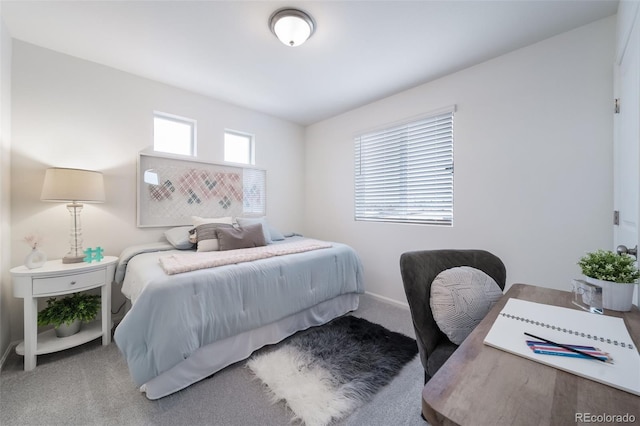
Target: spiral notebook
(570, 327)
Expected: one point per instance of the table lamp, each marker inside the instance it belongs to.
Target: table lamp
(74, 186)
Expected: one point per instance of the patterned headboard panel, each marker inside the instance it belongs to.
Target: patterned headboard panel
(171, 190)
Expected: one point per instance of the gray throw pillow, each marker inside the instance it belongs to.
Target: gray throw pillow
(244, 237)
(460, 299)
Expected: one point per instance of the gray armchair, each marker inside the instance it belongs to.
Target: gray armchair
(418, 270)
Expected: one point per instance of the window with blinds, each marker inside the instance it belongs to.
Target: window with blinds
(404, 173)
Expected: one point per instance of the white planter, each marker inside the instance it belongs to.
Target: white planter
(66, 330)
(615, 296)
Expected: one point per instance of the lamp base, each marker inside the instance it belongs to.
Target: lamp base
(75, 253)
(72, 259)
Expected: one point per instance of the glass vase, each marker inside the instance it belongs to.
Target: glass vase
(35, 259)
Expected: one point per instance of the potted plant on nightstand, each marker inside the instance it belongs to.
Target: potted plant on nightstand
(67, 314)
(615, 273)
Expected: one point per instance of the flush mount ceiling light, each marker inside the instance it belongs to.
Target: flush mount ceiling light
(292, 26)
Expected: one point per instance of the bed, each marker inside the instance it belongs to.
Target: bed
(184, 326)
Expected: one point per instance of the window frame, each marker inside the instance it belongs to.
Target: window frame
(421, 146)
(177, 119)
(250, 136)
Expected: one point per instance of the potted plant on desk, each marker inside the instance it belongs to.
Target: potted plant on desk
(615, 273)
(67, 314)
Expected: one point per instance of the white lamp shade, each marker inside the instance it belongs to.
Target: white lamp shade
(292, 26)
(63, 185)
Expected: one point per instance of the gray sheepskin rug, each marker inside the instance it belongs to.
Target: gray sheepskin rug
(325, 373)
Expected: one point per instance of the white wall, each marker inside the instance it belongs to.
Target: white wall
(69, 112)
(533, 163)
(533, 157)
(5, 226)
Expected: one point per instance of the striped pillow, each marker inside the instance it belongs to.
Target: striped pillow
(206, 236)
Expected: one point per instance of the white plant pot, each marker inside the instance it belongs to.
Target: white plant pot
(66, 330)
(615, 296)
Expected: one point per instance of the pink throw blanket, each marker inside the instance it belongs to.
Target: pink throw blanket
(186, 262)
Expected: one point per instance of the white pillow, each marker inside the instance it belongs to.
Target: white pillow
(197, 220)
(460, 299)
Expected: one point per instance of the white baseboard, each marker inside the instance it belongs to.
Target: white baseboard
(388, 300)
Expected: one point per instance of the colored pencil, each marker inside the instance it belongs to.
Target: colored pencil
(560, 345)
(542, 351)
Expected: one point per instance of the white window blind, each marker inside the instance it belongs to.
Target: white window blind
(254, 185)
(404, 173)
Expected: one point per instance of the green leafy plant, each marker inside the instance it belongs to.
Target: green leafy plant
(609, 266)
(79, 306)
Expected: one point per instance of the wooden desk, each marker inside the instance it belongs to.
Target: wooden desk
(481, 385)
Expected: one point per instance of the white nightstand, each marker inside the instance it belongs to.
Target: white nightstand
(55, 278)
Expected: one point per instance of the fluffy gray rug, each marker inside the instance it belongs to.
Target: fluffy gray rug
(325, 373)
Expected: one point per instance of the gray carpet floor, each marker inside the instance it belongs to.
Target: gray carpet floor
(90, 385)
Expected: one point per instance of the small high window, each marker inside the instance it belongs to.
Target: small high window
(238, 147)
(173, 134)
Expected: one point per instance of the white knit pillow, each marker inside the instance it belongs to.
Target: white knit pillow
(460, 299)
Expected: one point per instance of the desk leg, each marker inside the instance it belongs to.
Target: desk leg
(431, 416)
(30, 332)
(106, 313)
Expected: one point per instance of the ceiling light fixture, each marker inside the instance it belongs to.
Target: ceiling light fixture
(292, 26)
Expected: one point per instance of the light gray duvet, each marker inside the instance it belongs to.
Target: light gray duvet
(174, 315)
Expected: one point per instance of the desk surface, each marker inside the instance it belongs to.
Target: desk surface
(482, 385)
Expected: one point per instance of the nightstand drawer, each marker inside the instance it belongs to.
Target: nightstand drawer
(68, 283)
